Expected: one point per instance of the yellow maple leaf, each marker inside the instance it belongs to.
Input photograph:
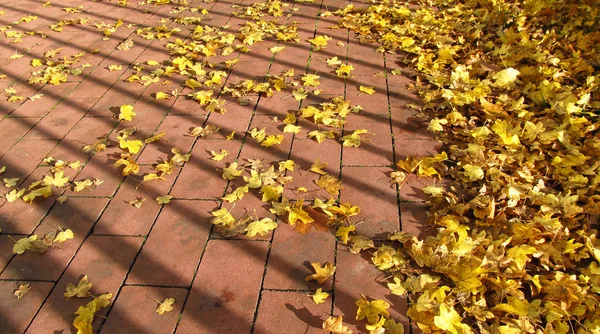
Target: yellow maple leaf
(261, 227)
(11, 182)
(14, 194)
(299, 94)
(311, 80)
(271, 192)
(165, 306)
(133, 146)
(57, 180)
(450, 321)
(322, 273)
(321, 136)
(343, 71)
(367, 90)
(81, 290)
(330, 183)
(291, 128)
(297, 214)
(474, 173)
(23, 244)
(43, 192)
(161, 96)
(231, 171)
(126, 112)
(238, 193)
(287, 165)
(353, 139)
(334, 62)
(21, 291)
(154, 138)
(319, 296)
(276, 49)
(344, 231)
(222, 217)
(335, 325)
(319, 42)
(131, 167)
(397, 288)
(63, 235)
(374, 311)
(137, 202)
(271, 140)
(218, 156)
(317, 167)
(165, 199)
(506, 77)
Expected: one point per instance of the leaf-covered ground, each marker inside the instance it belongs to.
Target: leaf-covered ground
(265, 166)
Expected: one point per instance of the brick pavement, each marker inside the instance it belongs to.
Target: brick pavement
(220, 284)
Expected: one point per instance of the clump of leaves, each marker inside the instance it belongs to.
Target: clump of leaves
(57, 71)
(36, 244)
(518, 116)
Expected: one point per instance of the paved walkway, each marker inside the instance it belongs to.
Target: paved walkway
(233, 285)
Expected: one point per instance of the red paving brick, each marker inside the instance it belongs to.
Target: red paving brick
(348, 288)
(78, 215)
(370, 189)
(291, 255)
(134, 311)
(158, 251)
(226, 289)
(290, 312)
(12, 321)
(106, 269)
(186, 225)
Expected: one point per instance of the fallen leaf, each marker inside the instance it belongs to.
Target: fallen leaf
(126, 112)
(319, 296)
(261, 227)
(81, 290)
(321, 273)
(137, 203)
(165, 199)
(21, 291)
(165, 306)
(367, 90)
(276, 49)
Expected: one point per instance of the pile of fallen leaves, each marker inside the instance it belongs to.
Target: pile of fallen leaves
(511, 88)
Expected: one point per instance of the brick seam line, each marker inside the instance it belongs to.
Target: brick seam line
(394, 167)
(340, 176)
